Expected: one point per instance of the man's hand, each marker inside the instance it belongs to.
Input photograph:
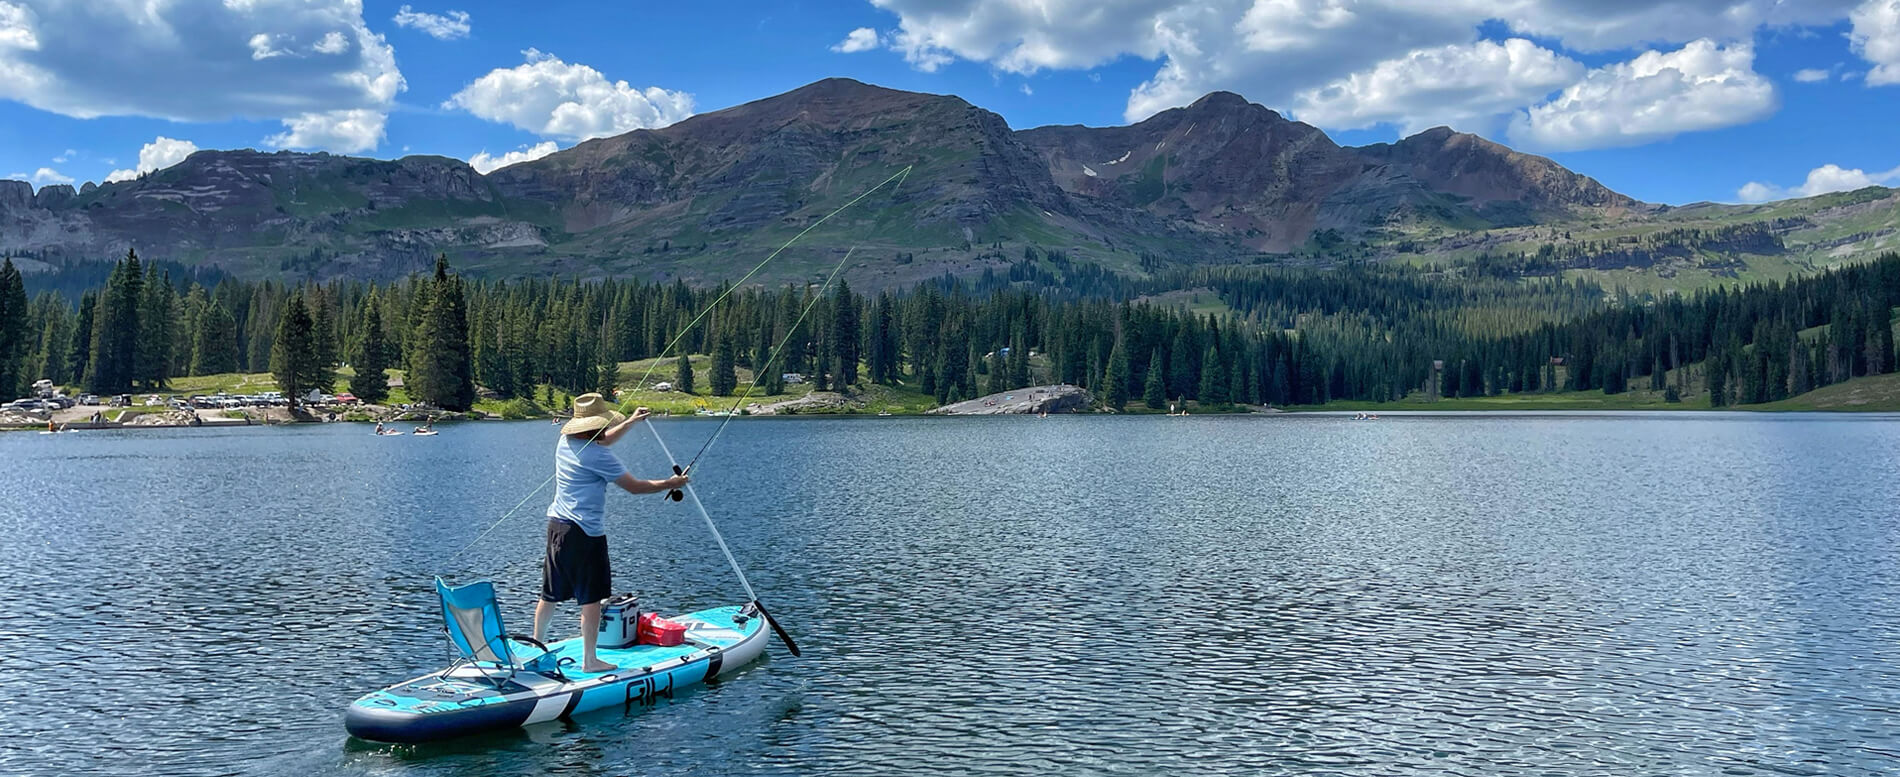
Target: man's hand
(677, 481)
(639, 414)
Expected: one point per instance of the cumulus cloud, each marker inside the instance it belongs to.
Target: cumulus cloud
(347, 132)
(1821, 180)
(448, 26)
(46, 175)
(1653, 97)
(1458, 84)
(552, 98)
(860, 39)
(159, 154)
(1876, 38)
(1323, 58)
(484, 163)
(1810, 75)
(194, 60)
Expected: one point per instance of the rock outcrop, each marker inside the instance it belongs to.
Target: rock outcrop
(1061, 398)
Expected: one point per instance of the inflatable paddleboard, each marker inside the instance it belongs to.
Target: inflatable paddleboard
(472, 699)
(425, 434)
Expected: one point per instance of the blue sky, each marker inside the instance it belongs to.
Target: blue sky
(1672, 101)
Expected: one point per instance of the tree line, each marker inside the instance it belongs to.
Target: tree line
(1280, 336)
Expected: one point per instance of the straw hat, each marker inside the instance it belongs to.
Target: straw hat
(591, 413)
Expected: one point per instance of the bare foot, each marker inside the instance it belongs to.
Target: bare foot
(598, 667)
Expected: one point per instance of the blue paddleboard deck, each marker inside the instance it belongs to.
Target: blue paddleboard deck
(476, 698)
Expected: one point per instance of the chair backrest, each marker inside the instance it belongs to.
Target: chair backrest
(473, 619)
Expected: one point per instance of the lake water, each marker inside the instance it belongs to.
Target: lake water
(1479, 595)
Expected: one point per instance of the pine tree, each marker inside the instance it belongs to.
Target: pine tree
(13, 336)
(293, 353)
(371, 362)
(999, 374)
(821, 369)
(1115, 393)
(725, 378)
(1018, 361)
(323, 328)
(441, 369)
(152, 355)
(1213, 390)
(115, 328)
(844, 335)
(79, 350)
(1717, 366)
(683, 375)
(1154, 392)
(607, 373)
(214, 343)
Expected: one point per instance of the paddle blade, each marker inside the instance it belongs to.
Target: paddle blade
(783, 636)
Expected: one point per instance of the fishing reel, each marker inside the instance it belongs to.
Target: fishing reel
(675, 494)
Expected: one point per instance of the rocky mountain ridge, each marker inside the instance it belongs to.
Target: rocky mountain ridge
(1220, 180)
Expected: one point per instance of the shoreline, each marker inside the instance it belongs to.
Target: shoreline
(1310, 412)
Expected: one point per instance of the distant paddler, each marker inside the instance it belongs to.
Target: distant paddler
(575, 566)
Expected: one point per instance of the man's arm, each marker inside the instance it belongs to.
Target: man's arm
(612, 433)
(635, 485)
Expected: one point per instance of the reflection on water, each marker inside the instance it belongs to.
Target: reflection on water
(1699, 594)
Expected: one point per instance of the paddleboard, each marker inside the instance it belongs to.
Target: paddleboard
(470, 700)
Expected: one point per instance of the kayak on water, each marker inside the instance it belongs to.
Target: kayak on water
(498, 690)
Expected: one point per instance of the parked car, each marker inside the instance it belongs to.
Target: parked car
(89, 399)
(59, 402)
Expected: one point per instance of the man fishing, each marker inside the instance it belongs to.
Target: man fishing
(576, 564)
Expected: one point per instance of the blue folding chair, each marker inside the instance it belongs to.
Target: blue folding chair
(472, 618)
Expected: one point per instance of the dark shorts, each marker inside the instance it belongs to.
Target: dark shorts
(576, 566)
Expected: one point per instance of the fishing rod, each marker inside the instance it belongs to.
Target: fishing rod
(900, 176)
(783, 636)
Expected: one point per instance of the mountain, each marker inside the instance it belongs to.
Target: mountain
(1221, 180)
(1228, 164)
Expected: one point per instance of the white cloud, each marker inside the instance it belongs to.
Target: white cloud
(47, 175)
(1458, 84)
(860, 39)
(449, 26)
(1655, 96)
(555, 99)
(346, 132)
(64, 156)
(333, 42)
(485, 164)
(1358, 52)
(1821, 180)
(1756, 191)
(1876, 38)
(1810, 75)
(159, 154)
(194, 60)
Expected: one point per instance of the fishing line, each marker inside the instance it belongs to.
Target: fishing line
(766, 369)
(899, 176)
(776, 350)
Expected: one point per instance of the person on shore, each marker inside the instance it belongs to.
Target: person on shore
(576, 566)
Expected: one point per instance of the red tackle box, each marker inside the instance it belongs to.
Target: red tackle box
(655, 630)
